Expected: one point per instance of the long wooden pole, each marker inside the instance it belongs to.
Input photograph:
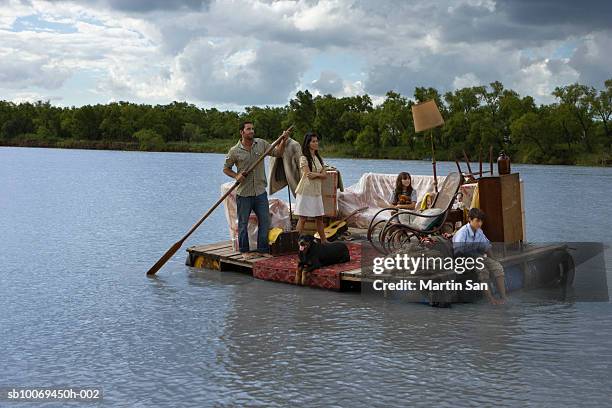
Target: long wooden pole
(433, 161)
(467, 161)
(491, 159)
(177, 245)
(458, 167)
(290, 212)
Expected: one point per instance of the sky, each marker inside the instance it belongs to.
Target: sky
(232, 54)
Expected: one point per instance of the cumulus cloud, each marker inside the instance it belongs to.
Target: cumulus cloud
(35, 97)
(10, 10)
(592, 59)
(466, 80)
(243, 52)
(523, 22)
(331, 83)
(582, 16)
(328, 83)
(239, 72)
(21, 70)
(144, 6)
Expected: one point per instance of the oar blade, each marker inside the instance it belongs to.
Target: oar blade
(162, 261)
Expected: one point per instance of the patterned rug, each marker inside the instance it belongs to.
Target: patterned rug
(282, 269)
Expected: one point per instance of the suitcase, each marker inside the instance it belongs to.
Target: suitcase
(286, 243)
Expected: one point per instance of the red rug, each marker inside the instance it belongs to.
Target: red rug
(282, 269)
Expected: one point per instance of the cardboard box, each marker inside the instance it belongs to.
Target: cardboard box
(329, 190)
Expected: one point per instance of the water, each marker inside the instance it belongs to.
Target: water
(78, 230)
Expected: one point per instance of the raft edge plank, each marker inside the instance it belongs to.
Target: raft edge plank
(225, 252)
(238, 262)
(529, 254)
(352, 275)
(209, 247)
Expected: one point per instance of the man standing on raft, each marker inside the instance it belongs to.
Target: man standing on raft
(251, 193)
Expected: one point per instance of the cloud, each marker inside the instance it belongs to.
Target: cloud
(35, 97)
(331, 83)
(525, 23)
(21, 70)
(470, 65)
(581, 16)
(243, 52)
(466, 80)
(239, 72)
(439, 68)
(144, 6)
(10, 10)
(592, 59)
(328, 83)
(540, 78)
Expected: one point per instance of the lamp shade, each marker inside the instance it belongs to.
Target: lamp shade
(426, 116)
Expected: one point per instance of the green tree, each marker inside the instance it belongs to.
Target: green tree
(13, 128)
(302, 112)
(328, 112)
(268, 121)
(221, 125)
(396, 121)
(422, 94)
(463, 105)
(193, 133)
(367, 142)
(532, 132)
(111, 127)
(602, 108)
(576, 101)
(576, 128)
(85, 123)
(149, 139)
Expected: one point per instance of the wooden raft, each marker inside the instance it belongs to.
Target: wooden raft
(219, 256)
(222, 257)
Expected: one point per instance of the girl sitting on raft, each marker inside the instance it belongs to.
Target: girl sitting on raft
(404, 196)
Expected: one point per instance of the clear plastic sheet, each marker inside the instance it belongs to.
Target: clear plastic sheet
(373, 190)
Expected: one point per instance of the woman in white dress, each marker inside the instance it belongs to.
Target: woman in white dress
(309, 199)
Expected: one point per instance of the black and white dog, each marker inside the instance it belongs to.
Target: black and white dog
(314, 255)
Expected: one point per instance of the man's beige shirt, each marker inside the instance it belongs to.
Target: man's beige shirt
(255, 183)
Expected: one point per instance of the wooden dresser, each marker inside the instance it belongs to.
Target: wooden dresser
(500, 199)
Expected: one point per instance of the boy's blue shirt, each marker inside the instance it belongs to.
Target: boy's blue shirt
(468, 242)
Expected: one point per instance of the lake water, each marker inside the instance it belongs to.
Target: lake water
(79, 229)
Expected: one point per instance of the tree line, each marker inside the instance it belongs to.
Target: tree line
(575, 129)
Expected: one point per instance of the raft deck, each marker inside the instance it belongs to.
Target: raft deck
(221, 256)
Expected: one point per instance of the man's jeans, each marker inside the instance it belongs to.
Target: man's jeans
(258, 204)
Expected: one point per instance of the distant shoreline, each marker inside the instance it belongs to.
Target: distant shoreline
(575, 129)
(221, 146)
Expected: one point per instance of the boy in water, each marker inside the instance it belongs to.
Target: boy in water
(469, 240)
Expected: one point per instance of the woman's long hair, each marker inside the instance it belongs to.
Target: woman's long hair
(306, 149)
(399, 187)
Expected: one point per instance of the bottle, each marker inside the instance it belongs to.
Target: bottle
(503, 163)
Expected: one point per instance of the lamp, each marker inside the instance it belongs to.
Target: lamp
(426, 116)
